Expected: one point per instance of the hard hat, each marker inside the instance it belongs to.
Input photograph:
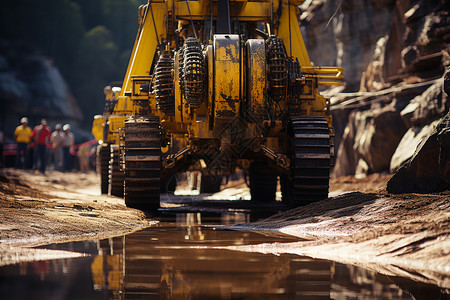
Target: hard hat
(24, 120)
(66, 127)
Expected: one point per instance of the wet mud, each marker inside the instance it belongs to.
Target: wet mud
(399, 236)
(181, 259)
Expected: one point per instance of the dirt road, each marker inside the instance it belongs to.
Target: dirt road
(400, 235)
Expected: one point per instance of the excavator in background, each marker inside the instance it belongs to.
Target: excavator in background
(215, 86)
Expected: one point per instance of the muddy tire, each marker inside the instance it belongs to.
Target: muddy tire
(102, 162)
(142, 163)
(310, 165)
(263, 184)
(116, 176)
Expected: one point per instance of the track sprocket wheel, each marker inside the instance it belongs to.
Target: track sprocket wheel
(193, 72)
(277, 68)
(164, 85)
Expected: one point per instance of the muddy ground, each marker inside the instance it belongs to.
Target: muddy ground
(38, 209)
(400, 235)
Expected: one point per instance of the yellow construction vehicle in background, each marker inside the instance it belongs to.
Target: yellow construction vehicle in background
(111, 177)
(219, 85)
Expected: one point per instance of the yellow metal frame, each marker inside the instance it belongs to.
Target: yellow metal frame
(226, 73)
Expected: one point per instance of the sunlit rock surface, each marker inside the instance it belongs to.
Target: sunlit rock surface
(428, 170)
(394, 55)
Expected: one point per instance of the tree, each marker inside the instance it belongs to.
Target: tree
(97, 59)
(90, 41)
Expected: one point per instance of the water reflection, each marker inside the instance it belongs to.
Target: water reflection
(178, 261)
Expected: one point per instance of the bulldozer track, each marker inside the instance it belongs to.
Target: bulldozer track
(142, 163)
(311, 160)
(116, 176)
(103, 155)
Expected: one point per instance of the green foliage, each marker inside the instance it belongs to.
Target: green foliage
(97, 57)
(122, 19)
(89, 40)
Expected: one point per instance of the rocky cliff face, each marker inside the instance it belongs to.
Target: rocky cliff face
(31, 86)
(345, 33)
(394, 55)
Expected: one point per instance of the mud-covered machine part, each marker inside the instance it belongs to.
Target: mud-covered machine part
(142, 159)
(102, 163)
(310, 161)
(193, 72)
(164, 86)
(115, 174)
(277, 65)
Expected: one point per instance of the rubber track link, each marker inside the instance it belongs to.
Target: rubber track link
(142, 163)
(116, 176)
(310, 161)
(102, 163)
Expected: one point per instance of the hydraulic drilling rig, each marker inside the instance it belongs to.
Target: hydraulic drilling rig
(223, 85)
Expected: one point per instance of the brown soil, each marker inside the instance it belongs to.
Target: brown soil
(402, 235)
(41, 209)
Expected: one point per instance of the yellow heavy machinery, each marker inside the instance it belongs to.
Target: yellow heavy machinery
(111, 177)
(222, 85)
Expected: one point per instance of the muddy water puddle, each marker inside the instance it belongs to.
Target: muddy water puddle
(181, 258)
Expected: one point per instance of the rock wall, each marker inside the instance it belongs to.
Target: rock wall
(428, 168)
(345, 33)
(394, 54)
(31, 86)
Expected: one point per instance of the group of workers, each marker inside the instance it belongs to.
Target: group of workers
(61, 140)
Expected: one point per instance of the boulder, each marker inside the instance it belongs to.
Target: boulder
(428, 170)
(422, 115)
(408, 144)
(377, 137)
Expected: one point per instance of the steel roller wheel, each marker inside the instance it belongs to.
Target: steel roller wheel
(310, 165)
(142, 163)
(102, 162)
(116, 176)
